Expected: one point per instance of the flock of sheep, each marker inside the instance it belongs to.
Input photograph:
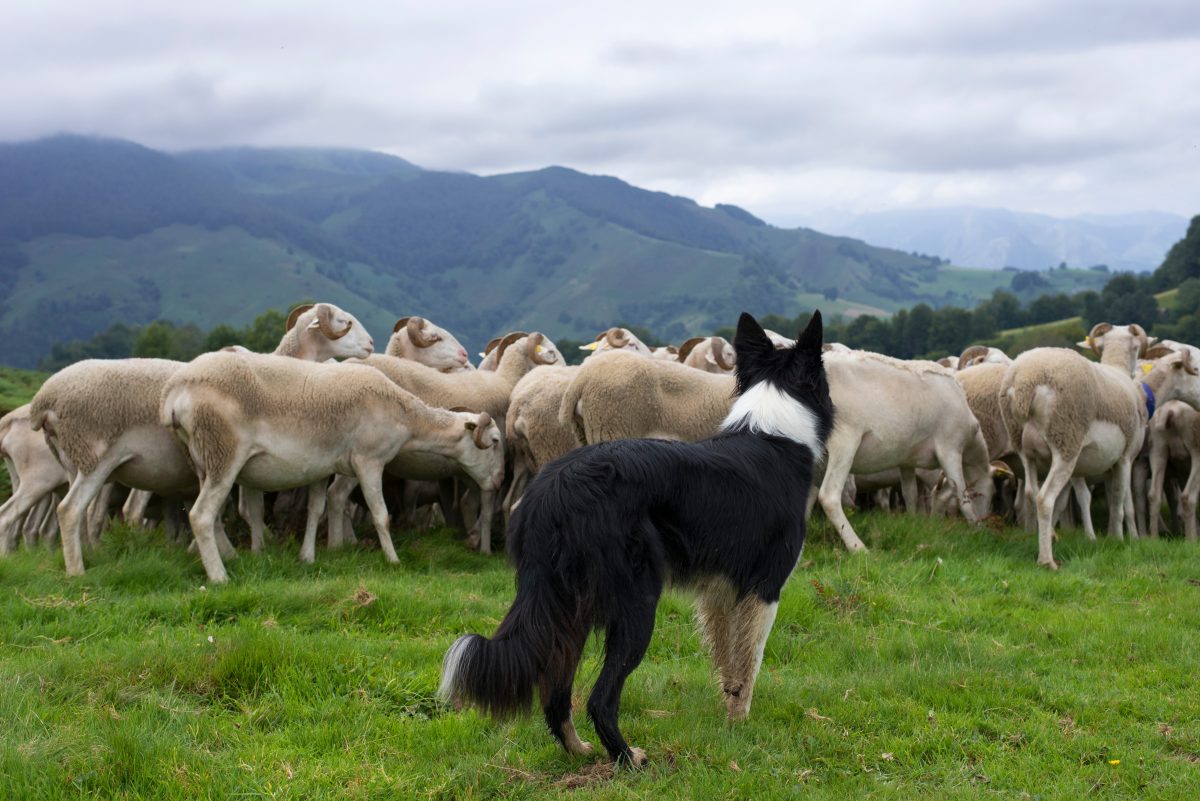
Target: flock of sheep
(419, 423)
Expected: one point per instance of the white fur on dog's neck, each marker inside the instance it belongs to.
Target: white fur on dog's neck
(767, 409)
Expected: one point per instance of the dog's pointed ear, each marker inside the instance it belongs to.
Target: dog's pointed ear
(750, 337)
(813, 335)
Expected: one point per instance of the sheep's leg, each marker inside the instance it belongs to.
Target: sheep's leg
(837, 469)
(1030, 496)
(339, 498)
(1083, 494)
(1141, 486)
(133, 511)
(316, 508)
(1158, 477)
(516, 484)
(951, 464)
(172, 518)
(1131, 529)
(250, 508)
(33, 521)
(1057, 478)
(1188, 498)
(1116, 490)
(72, 512)
(908, 488)
(48, 530)
(487, 508)
(371, 480)
(97, 514)
(206, 509)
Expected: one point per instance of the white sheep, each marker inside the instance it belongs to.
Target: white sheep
(892, 413)
(421, 341)
(711, 354)
(273, 423)
(101, 418)
(1074, 418)
(617, 339)
(34, 472)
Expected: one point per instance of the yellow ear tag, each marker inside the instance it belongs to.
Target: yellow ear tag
(592, 346)
(540, 349)
(1147, 367)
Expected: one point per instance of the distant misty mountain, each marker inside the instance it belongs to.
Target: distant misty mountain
(997, 238)
(98, 231)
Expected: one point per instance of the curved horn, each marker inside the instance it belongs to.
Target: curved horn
(1098, 330)
(491, 345)
(970, 354)
(416, 332)
(481, 425)
(535, 350)
(1158, 351)
(718, 351)
(507, 340)
(325, 322)
(616, 337)
(403, 321)
(1141, 334)
(1187, 361)
(686, 348)
(295, 313)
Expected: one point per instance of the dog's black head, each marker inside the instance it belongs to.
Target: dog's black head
(798, 371)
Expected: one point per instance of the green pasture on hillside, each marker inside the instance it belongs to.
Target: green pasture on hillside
(943, 664)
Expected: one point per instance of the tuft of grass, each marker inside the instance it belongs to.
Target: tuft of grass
(942, 662)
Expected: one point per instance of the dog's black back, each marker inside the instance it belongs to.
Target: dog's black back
(599, 531)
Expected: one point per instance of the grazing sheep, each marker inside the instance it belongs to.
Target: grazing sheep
(906, 415)
(35, 474)
(101, 419)
(421, 341)
(483, 390)
(1074, 418)
(710, 354)
(274, 423)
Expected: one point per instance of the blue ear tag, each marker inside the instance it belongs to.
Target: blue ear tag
(1149, 398)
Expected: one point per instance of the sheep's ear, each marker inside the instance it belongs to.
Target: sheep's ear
(471, 425)
(813, 335)
(750, 337)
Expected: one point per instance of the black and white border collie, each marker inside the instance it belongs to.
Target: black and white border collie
(601, 530)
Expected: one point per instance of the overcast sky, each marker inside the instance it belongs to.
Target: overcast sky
(789, 108)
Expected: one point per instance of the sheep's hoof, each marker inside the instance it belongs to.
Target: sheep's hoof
(1051, 565)
(473, 542)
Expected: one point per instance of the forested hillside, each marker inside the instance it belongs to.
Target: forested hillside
(99, 232)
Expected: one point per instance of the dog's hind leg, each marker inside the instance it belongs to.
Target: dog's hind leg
(555, 692)
(749, 625)
(630, 624)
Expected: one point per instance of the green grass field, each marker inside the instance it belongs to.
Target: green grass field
(944, 662)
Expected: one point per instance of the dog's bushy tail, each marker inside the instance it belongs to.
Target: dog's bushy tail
(543, 634)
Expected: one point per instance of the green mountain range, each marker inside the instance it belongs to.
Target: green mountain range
(97, 231)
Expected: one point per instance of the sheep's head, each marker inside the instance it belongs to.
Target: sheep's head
(542, 351)
(421, 341)
(329, 332)
(481, 448)
(669, 353)
(1131, 341)
(617, 339)
(980, 354)
(490, 358)
(1176, 376)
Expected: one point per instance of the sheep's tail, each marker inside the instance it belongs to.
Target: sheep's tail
(540, 636)
(569, 407)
